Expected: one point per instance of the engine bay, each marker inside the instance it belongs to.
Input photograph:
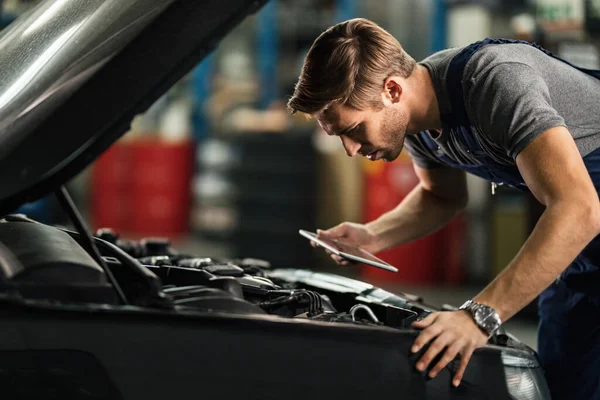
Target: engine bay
(146, 287)
(52, 264)
(253, 286)
(45, 263)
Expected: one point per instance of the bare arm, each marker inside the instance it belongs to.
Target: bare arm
(554, 171)
(440, 195)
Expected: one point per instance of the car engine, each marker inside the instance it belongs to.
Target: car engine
(52, 264)
(252, 286)
(45, 263)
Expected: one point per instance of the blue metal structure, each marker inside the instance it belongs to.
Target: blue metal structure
(439, 25)
(268, 43)
(267, 39)
(6, 18)
(345, 9)
(201, 85)
(39, 210)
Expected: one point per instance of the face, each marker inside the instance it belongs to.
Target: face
(377, 135)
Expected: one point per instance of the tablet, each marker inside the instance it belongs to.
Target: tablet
(348, 251)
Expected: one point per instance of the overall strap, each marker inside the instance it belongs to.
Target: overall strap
(435, 149)
(458, 116)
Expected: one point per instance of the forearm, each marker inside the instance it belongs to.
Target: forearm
(419, 214)
(560, 235)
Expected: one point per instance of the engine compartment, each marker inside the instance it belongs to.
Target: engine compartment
(253, 286)
(45, 263)
(145, 288)
(52, 264)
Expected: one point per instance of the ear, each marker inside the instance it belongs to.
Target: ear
(392, 90)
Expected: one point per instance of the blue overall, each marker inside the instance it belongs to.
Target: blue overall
(569, 310)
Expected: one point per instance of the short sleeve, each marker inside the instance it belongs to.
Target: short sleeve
(511, 105)
(420, 153)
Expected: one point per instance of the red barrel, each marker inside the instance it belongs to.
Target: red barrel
(425, 260)
(160, 187)
(110, 180)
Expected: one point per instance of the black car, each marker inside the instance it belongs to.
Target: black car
(91, 316)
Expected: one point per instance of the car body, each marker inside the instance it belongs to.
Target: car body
(98, 317)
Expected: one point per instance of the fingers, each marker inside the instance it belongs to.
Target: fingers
(448, 356)
(464, 361)
(432, 352)
(340, 260)
(450, 353)
(321, 233)
(335, 232)
(448, 334)
(338, 231)
(427, 335)
(425, 322)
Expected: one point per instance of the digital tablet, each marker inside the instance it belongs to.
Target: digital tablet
(348, 251)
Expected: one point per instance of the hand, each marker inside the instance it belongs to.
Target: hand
(356, 234)
(451, 332)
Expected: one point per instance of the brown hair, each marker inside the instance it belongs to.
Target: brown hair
(348, 64)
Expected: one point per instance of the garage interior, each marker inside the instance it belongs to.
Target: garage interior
(220, 168)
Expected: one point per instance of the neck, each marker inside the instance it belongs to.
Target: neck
(425, 111)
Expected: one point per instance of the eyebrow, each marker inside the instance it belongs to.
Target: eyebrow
(345, 130)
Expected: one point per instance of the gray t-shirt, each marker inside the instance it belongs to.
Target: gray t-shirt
(513, 93)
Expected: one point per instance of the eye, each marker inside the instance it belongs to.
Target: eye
(353, 131)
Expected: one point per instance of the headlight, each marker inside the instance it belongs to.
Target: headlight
(524, 375)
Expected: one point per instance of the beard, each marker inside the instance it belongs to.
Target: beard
(393, 132)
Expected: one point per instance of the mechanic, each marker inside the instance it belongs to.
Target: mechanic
(504, 110)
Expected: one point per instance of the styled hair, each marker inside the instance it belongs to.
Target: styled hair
(348, 64)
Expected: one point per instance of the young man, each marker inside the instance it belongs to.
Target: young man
(509, 112)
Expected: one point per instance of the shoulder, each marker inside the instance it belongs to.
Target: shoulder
(438, 62)
(490, 57)
(442, 56)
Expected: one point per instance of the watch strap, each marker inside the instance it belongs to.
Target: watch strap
(472, 307)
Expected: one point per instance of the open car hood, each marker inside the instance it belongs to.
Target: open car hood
(76, 72)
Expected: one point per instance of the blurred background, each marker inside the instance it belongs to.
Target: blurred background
(219, 167)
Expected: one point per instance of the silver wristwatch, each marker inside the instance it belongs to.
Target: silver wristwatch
(486, 318)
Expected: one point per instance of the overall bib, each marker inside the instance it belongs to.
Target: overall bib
(569, 310)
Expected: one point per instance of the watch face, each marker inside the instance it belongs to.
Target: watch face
(486, 318)
(480, 315)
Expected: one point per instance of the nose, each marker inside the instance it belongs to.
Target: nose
(350, 146)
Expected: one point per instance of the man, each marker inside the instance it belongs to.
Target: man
(509, 112)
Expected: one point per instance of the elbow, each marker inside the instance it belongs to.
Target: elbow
(589, 216)
(580, 216)
(456, 202)
(595, 218)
